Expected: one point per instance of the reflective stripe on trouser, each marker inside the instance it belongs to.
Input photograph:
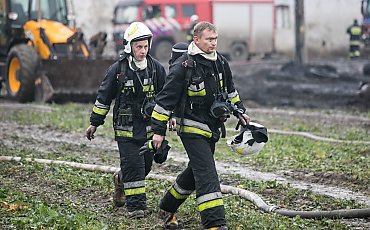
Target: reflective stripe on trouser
(134, 168)
(200, 175)
(354, 51)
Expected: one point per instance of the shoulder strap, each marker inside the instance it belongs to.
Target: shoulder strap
(154, 74)
(224, 82)
(188, 64)
(122, 76)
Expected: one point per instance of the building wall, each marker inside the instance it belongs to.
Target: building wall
(325, 26)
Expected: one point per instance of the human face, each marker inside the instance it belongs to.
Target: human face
(140, 49)
(207, 42)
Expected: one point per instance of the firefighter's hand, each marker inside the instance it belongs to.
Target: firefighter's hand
(172, 124)
(244, 119)
(157, 141)
(90, 132)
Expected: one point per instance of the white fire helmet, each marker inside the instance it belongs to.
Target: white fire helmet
(137, 31)
(250, 139)
(194, 18)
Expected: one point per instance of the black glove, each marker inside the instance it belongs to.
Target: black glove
(160, 155)
(147, 148)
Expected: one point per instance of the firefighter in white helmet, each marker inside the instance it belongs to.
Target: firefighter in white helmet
(189, 33)
(132, 81)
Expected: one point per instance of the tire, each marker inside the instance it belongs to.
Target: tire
(239, 52)
(162, 50)
(20, 73)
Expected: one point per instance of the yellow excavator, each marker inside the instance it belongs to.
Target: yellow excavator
(44, 57)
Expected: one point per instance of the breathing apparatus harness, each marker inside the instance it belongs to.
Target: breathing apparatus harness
(125, 110)
(222, 107)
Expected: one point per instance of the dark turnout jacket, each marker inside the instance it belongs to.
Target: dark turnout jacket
(208, 79)
(129, 89)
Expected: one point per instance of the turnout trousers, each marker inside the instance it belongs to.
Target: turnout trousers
(354, 51)
(134, 169)
(201, 176)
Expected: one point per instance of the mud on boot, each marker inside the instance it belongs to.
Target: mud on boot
(119, 195)
(169, 219)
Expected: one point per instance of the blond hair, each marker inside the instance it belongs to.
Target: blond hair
(201, 26)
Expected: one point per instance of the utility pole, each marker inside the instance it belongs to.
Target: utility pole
(299, 32)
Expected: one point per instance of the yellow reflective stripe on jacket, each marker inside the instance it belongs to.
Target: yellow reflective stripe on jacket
(159, 116)
(195, 90)
(233, 96)
(134, 191)
(146, 88)
(210, 204)
(356, 31)
(195, 127)
(355, 43)
(160, 113)
(221, 79)
(197, 93)
(100, 111)
(188, 129)
(235, 99)
(123, 133)
(177, 195)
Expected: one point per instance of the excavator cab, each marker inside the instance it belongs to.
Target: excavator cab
(44, 56)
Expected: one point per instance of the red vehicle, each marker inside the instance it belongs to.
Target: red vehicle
(244, 26)
(365, 11)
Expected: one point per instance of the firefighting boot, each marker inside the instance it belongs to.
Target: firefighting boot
(169, 219)
(119, 194)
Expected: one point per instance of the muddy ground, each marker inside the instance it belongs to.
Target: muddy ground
(266, 84)
(335, 83)
(46, 140)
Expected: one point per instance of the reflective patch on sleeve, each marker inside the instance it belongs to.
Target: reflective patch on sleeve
(100, 108)
(161, 114)
(100, 111)
(234, 97)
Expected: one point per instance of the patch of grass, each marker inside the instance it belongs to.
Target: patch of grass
(298, 153)
(60, 205)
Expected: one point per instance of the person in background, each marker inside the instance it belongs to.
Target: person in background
(132, 81)
(354, 32)
(200, 91)
(189, 34)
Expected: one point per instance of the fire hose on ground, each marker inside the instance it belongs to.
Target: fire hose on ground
(248, 195)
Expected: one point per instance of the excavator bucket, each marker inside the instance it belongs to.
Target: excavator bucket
(66, 79)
